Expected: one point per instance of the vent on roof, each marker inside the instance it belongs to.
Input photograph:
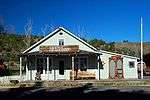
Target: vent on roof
(60, 33)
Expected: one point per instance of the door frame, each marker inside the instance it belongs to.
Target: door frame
(63, 67)
(116, 71)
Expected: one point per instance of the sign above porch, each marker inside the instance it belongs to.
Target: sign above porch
(59, 48)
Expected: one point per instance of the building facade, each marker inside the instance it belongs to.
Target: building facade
(63, 56)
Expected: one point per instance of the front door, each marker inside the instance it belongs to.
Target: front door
(115, 67)
(61, 67)
(41, 66)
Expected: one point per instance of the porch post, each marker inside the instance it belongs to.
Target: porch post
(35, 64)
(20, 69)
(26, 68)
(48, 68)
(99, 65)
(72, 67)
(44, 67)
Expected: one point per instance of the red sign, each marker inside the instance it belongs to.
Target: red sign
(62, 48)
(115, 58)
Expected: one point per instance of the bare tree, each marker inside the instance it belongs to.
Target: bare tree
(81, 32)
(47, 29)
(28, 33)
(52, 27)
(2, 26)
(10, 29)
(44, 29)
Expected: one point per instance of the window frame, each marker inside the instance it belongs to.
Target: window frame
(87, 62)
(131, 66)
(62, 41)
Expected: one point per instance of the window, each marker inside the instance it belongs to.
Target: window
(131, 64)
(83, 64)
(60, 33)
(61, 41)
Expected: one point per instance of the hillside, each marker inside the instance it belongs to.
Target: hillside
(11, 45)
(135, 47)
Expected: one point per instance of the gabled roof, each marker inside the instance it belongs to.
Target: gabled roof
(53, 33)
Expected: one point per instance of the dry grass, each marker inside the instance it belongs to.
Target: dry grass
(80, 83)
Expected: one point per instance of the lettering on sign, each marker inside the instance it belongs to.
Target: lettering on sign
(51, 49)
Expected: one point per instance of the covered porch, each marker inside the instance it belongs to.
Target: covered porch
(60, 65)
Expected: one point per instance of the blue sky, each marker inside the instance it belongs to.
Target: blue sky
(110, 20)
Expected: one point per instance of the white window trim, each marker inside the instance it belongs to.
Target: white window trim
(60, 39)
(129, 64)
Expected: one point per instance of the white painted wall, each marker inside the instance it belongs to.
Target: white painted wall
(129, 73)
(104, 73)
(68, 40)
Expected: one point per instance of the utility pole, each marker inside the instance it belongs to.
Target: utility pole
(141, 48)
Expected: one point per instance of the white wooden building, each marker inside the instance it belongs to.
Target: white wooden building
(63, 56)
(116, 66)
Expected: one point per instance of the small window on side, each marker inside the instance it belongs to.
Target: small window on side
(61, 41)
(131, 64)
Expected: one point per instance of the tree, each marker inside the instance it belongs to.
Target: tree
(81, 32)
(97, 43)
(47, 29)
(10, 29)
(28, 33)
(125, 41)
(111, 46)
(2, 27)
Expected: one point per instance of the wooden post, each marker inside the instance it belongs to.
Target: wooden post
(99, 65)
(35, 64)
(20, 69)
(26, 68)
(44, 67)
(48, 68)
(72, 67)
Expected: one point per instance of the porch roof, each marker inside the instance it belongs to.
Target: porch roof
(80, 52)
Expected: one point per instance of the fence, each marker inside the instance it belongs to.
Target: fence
(7, 79)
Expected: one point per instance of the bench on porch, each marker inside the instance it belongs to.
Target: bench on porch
(82, 75)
